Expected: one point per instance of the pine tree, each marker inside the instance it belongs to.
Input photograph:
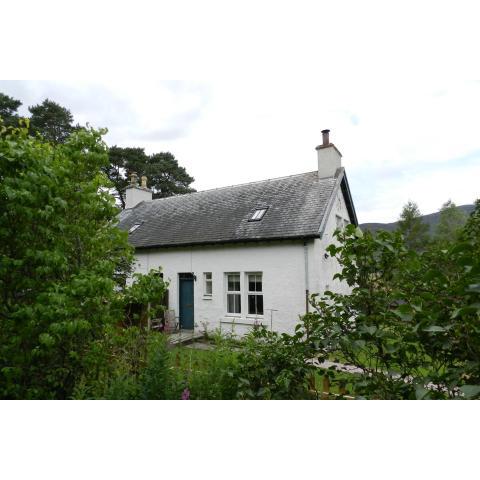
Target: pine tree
(8, 110)
(451, 222)
(52, 121)
(165, 176)
(413, 229)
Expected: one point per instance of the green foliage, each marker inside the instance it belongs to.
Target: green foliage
(207, 374)
(411, 226)
(273, 366)
(411, 322)
(127, 364)
(146, 291)
(120, 161)
(55, 124)
(8, 110)
(60, 253)
(450, 224)
(52, 121)
(134, 363)
(165, 176)
(156, 378)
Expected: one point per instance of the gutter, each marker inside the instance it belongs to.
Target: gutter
(226, 242)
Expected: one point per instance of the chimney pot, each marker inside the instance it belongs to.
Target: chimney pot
(144, 181)
(133, 179)
(326, 137)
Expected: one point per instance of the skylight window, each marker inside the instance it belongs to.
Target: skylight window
(134, 227)
(258, 214)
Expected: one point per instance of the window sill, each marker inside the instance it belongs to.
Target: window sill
(249, 319)
(241, 321)
(207, 297)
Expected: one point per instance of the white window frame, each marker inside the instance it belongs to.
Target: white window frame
(258, 214)
(134, 227)
(256, 293)
(207, 281)
(233, 292)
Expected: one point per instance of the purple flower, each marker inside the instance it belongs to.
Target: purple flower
(186, 394)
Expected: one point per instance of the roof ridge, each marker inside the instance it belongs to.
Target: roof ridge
(238, 185)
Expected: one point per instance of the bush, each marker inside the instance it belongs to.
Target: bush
(274, 366)
(129, 363)
(60, 253)
(156, 379)
(411, 322)
(207, 374)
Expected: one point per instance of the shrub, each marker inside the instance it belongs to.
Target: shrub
(60, 253)
(411, 322)
(274, 366)
(156, 380)
(207, 374)
(129, 363)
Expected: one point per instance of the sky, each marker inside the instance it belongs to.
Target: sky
(393, 84)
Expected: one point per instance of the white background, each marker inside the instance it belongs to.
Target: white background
(393, 80)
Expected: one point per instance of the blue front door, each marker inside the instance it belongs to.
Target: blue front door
(186, 301)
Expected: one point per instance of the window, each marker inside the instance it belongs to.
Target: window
(207, 283)
(258, 214)
(339, 222)
(345, 223)
(255, 295)
(233, 293)
(134, 227)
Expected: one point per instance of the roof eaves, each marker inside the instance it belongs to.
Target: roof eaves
(221, 242)
(339, 176)
(349, 201)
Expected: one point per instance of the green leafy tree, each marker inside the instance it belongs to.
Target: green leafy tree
(451, 222)
(8, 109)
(52, 121)
(411, 320)
(120, 164)
(410, 225)
(165, 176)
(60, 256)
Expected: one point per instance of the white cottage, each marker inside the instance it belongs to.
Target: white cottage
(245, 254)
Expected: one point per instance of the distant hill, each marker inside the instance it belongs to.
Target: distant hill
(431, 219)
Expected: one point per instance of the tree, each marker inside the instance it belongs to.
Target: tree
(165, 176)
(60, 256)
(8, 110)
(117, 170)
(451, 222)
(410, 225)
(410, 322)
(52, 121)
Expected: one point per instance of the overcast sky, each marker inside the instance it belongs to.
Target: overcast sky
(392, 84)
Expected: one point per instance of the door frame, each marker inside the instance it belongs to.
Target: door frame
(189, 277)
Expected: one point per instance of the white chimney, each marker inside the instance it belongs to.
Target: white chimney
(329, 157)
(135, 194)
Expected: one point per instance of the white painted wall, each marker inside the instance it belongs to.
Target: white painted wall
(282, 265)
(134, 195)
(328, 267)
(329, 159)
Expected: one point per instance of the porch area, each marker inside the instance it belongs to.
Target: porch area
(180, 337)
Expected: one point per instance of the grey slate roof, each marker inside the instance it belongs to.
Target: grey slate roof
(296, 207)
